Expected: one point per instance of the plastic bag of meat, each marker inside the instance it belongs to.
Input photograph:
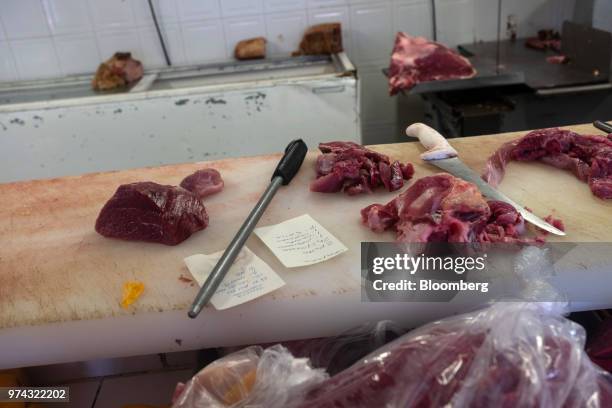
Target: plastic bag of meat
(252, 377)
(599, 346)
(510, 354)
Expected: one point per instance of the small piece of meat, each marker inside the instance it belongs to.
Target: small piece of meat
(152, 212)
(557, 59)
(354, 169)
(120, 71)
(589, 157)
(203, 182)
(546, 40)
(504, 225)
(253, 48)
(416, 59)
(321, 39)
(555, 222)
(379, 217)
(407, 170)
(443, 208)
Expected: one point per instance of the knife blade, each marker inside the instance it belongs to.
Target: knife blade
(442, 155)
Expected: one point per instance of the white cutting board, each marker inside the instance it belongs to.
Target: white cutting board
(57, 272)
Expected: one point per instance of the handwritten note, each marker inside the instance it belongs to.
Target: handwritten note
(248, 278)
(300, 241)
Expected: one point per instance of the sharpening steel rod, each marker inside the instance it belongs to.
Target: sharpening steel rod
(286, 169)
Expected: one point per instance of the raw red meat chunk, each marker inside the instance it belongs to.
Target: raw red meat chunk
(354, 169)
(443, 208)
(589, 157)
(203, 182)
(152, 212)
(416, 59)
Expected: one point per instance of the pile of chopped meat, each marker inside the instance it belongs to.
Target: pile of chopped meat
(589, 157)
(416, 59)
(354, 169)
(151, 212)
(120, 71)
(443, 208)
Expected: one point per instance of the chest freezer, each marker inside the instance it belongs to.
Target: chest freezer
(62, 127)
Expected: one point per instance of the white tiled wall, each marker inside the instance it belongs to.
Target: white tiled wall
(46, 38)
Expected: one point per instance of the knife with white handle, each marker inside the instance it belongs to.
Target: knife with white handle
(441, 154)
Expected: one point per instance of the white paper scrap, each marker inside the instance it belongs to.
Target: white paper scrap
(248, 278)
(300, 241)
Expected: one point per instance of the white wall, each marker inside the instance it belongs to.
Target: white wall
(48, 38)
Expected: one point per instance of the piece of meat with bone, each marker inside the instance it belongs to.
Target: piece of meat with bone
(416, 59)
(589, 157)
(320, 39)
(203, 182)
(120, 71)
(443, 208)
(354, 169)
(152, 212)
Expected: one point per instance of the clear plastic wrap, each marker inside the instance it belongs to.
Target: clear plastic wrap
(510, 354)
(337, 353)
(252, 377)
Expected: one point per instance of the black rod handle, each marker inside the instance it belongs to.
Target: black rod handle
(603, 126)
(292, 161)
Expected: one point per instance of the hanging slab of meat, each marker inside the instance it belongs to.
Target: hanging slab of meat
(152, 212)
(443, 208)
(354, 169)
(588, 157)
(253, 48)
(120, 71)
(203, 182)
(321, 39)
(416, 59)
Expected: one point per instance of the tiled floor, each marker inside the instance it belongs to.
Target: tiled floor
(113, 383)
(153, 389)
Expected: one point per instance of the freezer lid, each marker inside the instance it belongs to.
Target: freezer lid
(175, 78)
